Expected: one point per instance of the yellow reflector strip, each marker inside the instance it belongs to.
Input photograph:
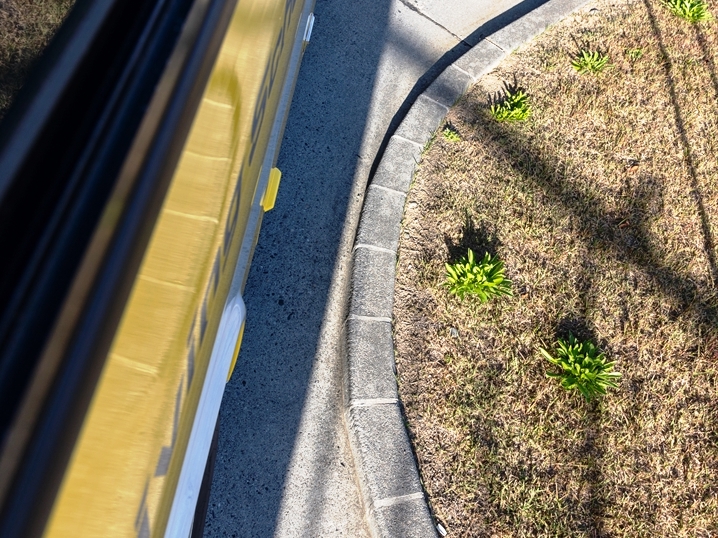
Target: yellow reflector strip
(236, 352)
(270, 195)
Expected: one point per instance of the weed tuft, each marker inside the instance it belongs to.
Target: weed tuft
(583, 367)
(511, 104)
(634, 54)
(484, 279)
(451, 135)
(590, 62)
(690, 10)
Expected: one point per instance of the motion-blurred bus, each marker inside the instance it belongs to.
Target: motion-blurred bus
(136, 164)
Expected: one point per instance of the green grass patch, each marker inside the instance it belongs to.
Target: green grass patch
(484, 279)
(590, 62)
(690, 10)
(511, 105)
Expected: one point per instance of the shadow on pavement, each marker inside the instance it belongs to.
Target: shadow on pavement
(291, 273)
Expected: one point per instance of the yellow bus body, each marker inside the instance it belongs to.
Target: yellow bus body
(124, 471)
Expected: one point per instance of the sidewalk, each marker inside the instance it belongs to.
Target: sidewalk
(284, 466)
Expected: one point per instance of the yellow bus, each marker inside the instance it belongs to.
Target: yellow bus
(135, 167)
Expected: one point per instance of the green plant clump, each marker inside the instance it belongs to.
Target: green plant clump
(583, 367)
(512, 106)
(484, 279)
(634, 54)
(451, 135)
(690, 10)
(590, 62)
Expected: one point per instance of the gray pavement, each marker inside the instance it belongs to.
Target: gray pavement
(284, 466)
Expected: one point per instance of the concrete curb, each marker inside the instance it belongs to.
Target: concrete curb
(392, 492)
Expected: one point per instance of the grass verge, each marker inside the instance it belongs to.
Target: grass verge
(603, 206)
(26, 28)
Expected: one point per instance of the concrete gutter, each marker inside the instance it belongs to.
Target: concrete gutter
(393, 496)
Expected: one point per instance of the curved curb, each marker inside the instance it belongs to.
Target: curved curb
(392, 492)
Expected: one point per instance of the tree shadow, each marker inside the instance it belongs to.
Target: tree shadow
(622, 233)
(707, 56)
(601, 227)
(667, 64)
(592, 501)
(603, 231)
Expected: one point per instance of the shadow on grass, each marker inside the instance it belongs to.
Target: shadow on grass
(707, 56)
(593, 501)
(601, 228)
(624, 236)
(708, 242)
(475, 237)
(576, 326)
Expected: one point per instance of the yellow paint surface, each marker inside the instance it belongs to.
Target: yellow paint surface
(118, 483)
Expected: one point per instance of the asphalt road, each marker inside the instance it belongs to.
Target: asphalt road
(284, 467)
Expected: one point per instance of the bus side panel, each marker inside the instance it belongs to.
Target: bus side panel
(123, 474)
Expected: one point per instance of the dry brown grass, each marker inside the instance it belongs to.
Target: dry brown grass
(604, 207)
(26, 27)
